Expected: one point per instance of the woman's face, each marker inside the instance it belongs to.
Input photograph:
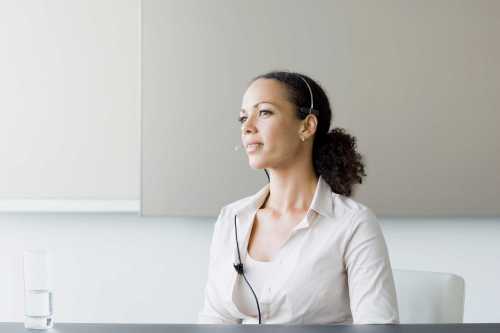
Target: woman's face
(268, 118)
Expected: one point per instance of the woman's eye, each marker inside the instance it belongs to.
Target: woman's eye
(243, 118)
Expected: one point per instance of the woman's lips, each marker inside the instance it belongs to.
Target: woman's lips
(253, 147)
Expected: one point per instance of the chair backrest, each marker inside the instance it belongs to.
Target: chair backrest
(429, 297)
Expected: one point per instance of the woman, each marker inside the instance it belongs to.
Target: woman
(299, 251)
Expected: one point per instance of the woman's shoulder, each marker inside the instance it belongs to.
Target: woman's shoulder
(228, 212)
(351, 210)
(224, 225)
(235, 207)
(356, 220)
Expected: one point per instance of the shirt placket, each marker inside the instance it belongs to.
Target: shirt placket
(269, 289)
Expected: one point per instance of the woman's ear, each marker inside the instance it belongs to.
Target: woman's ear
(309, 126)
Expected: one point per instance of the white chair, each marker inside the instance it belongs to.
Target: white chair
(429, 297)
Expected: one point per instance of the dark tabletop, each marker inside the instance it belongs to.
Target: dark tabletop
(203, 328)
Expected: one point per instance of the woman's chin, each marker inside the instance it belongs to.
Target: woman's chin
(256, 164)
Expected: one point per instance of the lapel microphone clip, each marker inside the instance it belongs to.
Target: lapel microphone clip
(238, 268)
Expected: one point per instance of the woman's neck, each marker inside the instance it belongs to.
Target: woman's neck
(290, 193)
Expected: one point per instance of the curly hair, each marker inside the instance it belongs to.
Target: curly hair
(335, 156)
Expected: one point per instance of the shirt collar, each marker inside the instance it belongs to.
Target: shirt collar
(321, 203)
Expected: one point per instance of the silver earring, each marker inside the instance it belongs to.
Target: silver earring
(302, 138)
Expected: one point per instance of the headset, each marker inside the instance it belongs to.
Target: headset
(311, 109)
(239, 266)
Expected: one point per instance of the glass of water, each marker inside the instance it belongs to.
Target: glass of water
(37, 290)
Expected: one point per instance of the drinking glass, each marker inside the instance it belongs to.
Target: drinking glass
(37, 290)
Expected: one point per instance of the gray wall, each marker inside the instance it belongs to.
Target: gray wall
(416, 82)
(426, 77)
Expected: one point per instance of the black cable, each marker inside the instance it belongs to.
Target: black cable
(239, 269)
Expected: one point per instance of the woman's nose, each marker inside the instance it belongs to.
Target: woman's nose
(248, 126)
(248, 129)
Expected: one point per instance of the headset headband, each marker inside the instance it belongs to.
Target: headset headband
(310, 93)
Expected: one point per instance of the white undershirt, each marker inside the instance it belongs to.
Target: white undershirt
(258, 273)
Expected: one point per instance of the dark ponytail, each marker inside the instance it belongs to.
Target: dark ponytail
(335, 157)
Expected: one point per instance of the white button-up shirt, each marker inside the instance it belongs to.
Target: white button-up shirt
(334, 267)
